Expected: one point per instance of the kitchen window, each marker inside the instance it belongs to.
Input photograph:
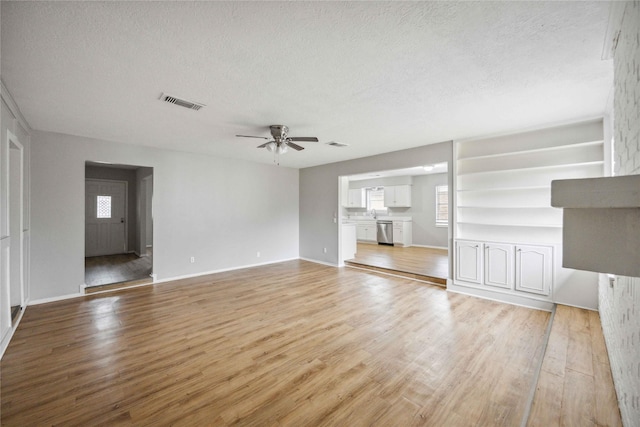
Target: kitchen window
(375, 199)
(442, 206)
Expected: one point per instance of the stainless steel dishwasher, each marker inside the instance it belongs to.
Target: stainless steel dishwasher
(385, 232)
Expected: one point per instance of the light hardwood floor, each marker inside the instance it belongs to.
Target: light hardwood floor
(294, 343)
(429, 264)
(575, 385)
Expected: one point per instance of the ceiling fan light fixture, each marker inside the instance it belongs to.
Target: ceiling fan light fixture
(282, 148)
(271, 147)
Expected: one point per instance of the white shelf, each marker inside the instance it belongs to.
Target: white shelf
(531, 151)
(492, 224)
(516, 198)
(499, 189)
(561, 136)
(515, 234)
(585, 159)
(503, 184)
(528, 178)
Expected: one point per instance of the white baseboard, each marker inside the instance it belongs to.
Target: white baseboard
(499, 297)
(155, 281)
(430, 247)
(54, 299)
(222, 270)
(319, 262)
(7, 338)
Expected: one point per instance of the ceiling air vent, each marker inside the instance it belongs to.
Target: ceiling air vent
(181, 102)
(337, 144)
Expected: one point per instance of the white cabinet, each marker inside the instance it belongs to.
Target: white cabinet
(498, 265)
(397, 196)
(402, 232)
(533, 269)
(512, 267)
(356, 198)
(469, 261)
(349, 246)
(366, 231)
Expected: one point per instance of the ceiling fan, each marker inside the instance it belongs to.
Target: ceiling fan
(281, 140)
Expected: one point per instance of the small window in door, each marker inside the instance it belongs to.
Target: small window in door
(103, 209)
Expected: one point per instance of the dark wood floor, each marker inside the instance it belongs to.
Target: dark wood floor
(294, 343)
(109, 269)
(429, 264)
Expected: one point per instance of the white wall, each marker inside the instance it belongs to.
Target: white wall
(620, 304)
(319, 194)
(220, 211)
(423, 210)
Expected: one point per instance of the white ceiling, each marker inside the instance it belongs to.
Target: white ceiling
(379, 76)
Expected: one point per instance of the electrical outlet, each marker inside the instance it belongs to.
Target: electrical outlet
(193, 259)
(258, 254)
(324, 250)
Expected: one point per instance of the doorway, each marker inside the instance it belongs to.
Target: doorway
(118, 215)
(416, 201)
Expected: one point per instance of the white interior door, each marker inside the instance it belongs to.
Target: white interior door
(105, 217)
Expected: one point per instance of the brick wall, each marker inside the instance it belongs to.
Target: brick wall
(620, 305)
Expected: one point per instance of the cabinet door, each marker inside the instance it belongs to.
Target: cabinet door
(498, 265)
(402, 196)
(398, 236)
(361, 232)
(533, 269)
(356, 198)
(372, 233)
(389, 196)
(468, 261)
(408, 233)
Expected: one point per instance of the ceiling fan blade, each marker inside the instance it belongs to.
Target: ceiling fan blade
(294, 146)
(264, 145)
(303, 139)
(250, 136)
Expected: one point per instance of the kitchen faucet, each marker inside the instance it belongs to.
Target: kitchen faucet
(373, 213)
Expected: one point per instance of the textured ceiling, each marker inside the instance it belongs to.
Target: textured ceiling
(379, 76)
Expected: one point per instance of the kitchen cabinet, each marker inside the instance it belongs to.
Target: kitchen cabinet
(533, 269)
(356, 198)
(349, 245)
(397, 196)
(366, 231)
(402, 232)
(468, 261)
(498, 265)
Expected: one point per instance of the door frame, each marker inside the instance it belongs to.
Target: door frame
(13, 240)
(126, 210)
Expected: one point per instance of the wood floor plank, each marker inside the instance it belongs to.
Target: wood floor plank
(424, 263)
(293, 343)
(575, 386)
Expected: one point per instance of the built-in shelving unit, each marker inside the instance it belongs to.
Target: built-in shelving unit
(508, 236)
(504, 184)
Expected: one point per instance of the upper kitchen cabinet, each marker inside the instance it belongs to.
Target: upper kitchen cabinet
(397, 196)
(356, 198)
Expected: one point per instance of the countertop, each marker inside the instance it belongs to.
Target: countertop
(356, 219)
